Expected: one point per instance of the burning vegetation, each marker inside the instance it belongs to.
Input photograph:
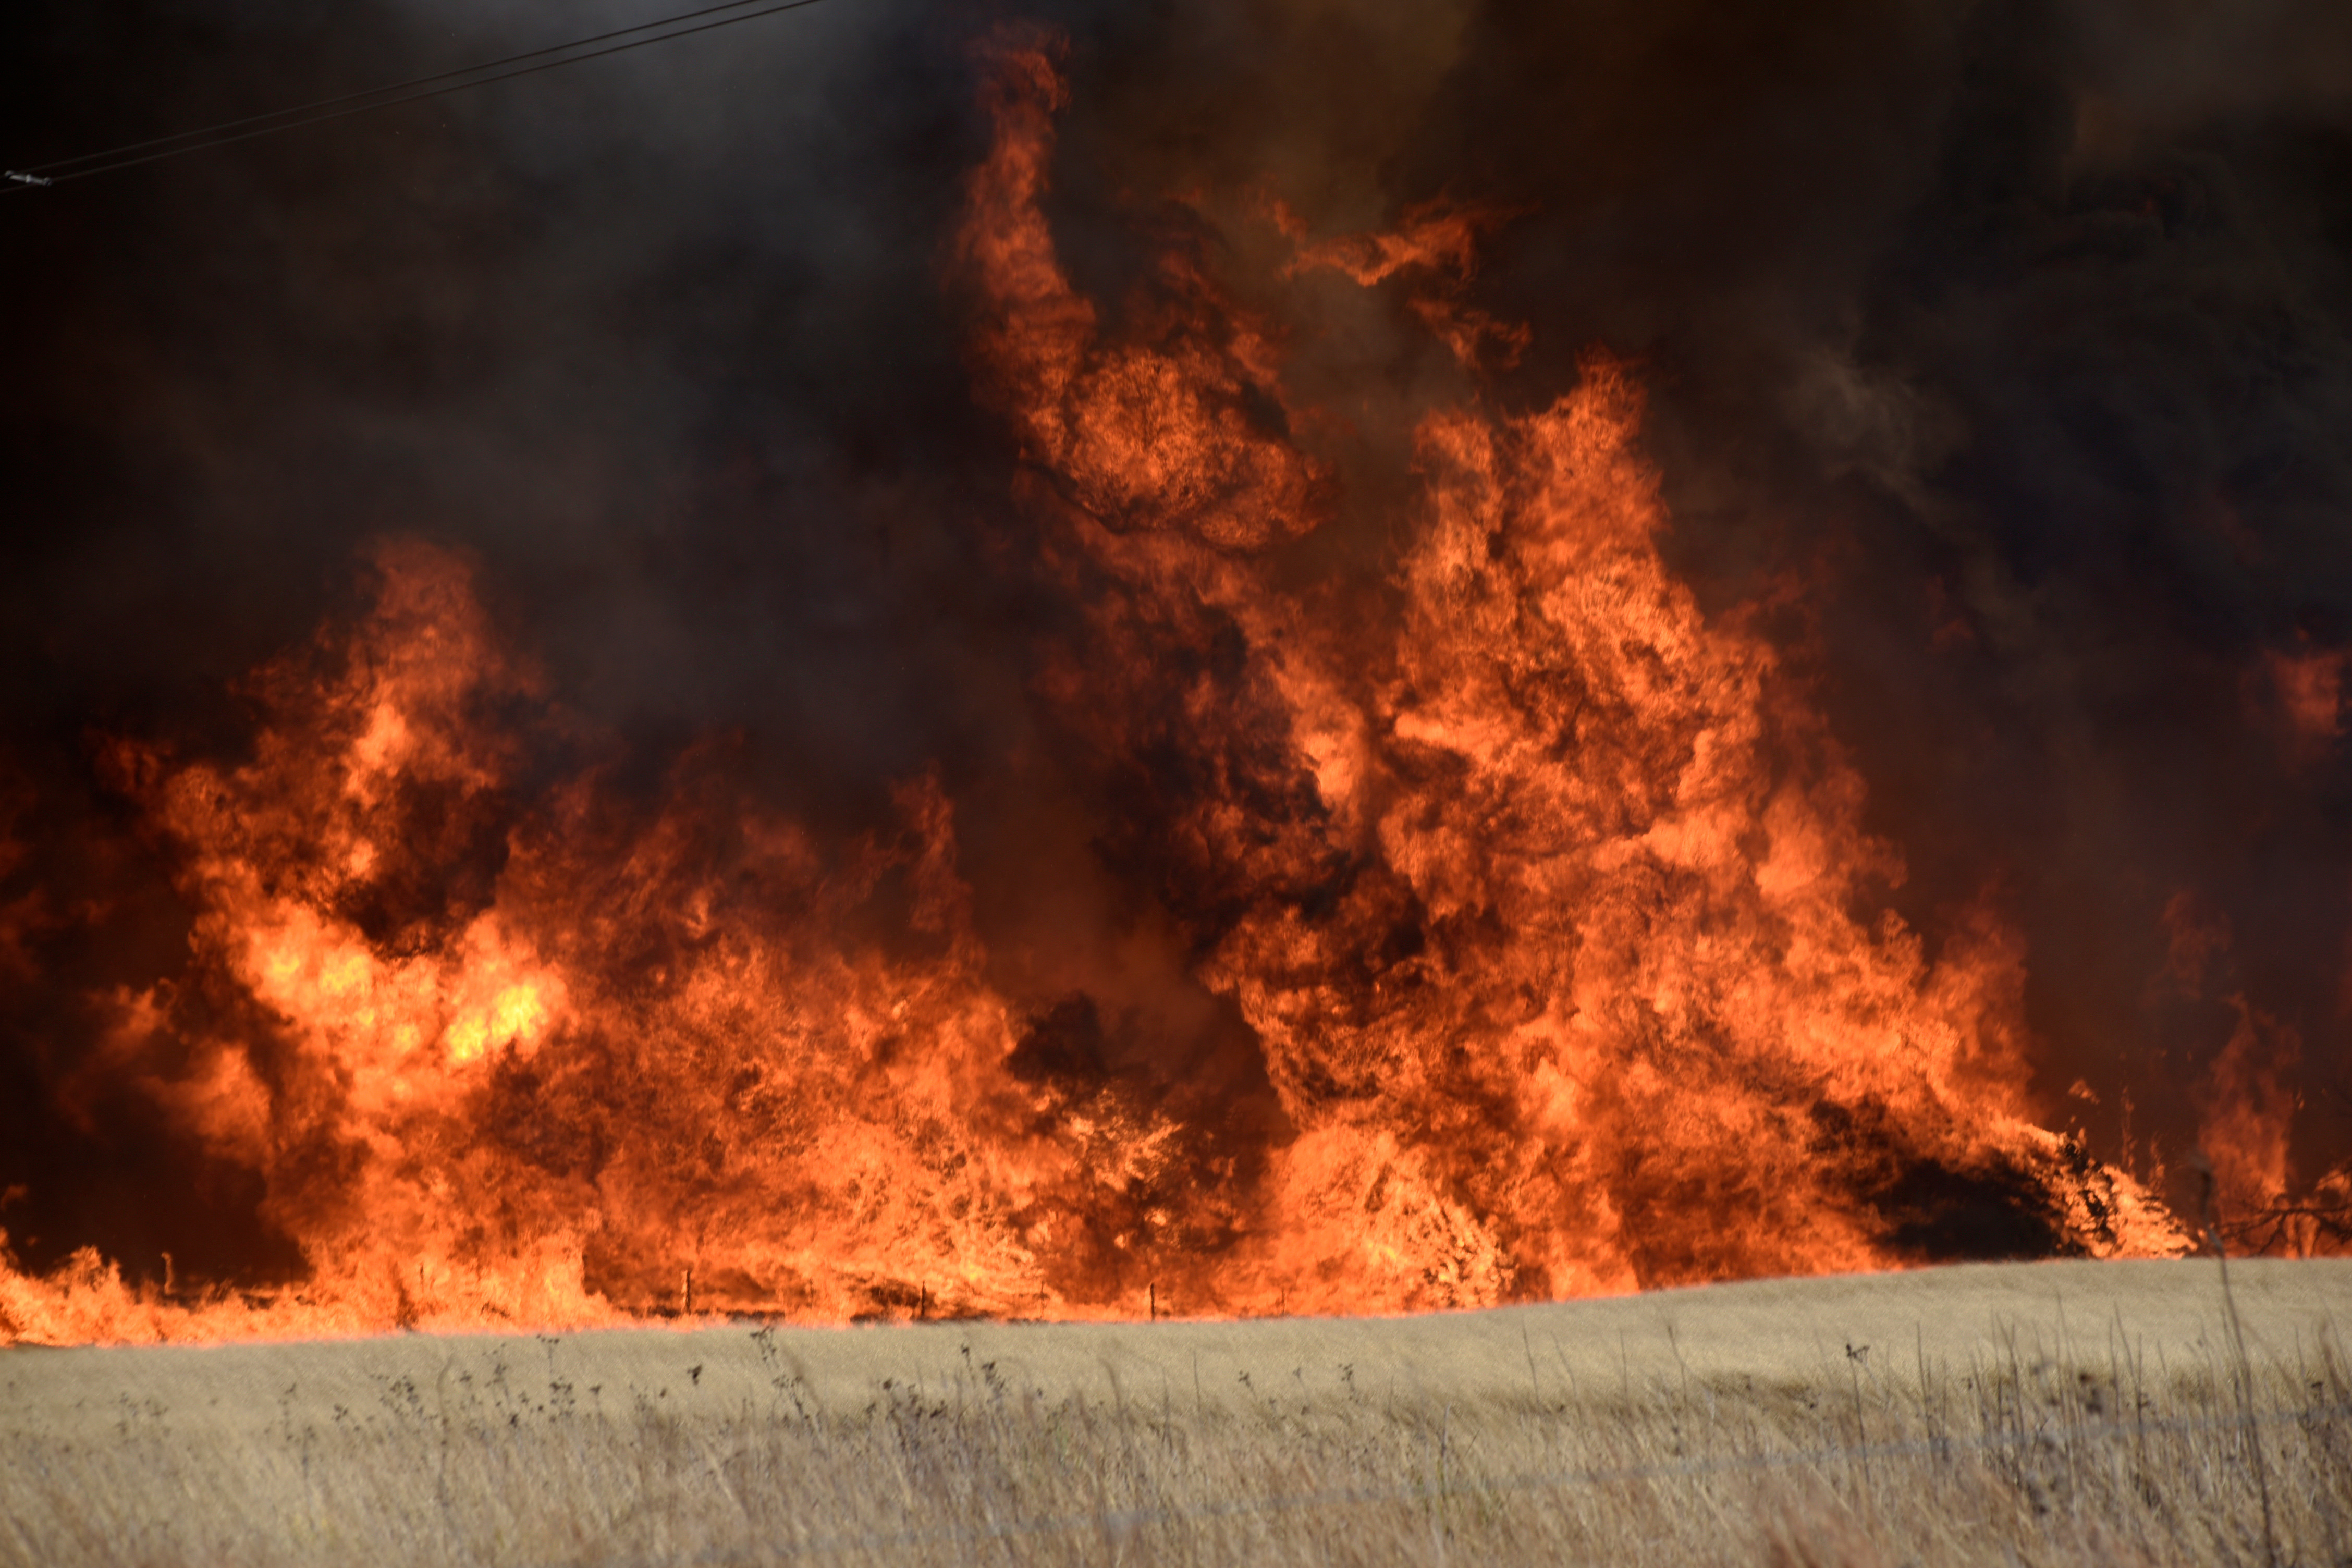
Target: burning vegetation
(1540, 899)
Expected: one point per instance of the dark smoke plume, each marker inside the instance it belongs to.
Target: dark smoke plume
(1997, 359)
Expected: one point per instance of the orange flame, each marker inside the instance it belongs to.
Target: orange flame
(1544, 896)
(1545, 902)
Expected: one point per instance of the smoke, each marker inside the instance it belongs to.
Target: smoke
(1996, 365)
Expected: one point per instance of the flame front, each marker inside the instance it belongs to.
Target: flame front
(1542, 894)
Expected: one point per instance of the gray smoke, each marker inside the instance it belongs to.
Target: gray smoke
(1999, 345)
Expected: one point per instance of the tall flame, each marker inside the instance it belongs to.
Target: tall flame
(1543, 894)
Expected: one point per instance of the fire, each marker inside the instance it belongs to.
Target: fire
(1542, 893)
(1543, 900)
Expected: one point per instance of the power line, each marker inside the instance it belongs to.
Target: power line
(354, 99)
(417, 89)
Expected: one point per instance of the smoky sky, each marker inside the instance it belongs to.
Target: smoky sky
(1996, 355)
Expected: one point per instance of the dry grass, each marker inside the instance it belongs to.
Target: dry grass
(2111, 1456)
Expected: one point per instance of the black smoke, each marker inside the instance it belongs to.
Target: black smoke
(1998, 348)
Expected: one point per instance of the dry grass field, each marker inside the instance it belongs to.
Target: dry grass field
(2035, 1414)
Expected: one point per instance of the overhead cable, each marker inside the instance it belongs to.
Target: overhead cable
(643, 35)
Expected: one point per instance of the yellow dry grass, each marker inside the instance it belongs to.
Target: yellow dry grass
(2039, 1414)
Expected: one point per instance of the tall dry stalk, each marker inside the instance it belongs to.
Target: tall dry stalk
(2208, 1209)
